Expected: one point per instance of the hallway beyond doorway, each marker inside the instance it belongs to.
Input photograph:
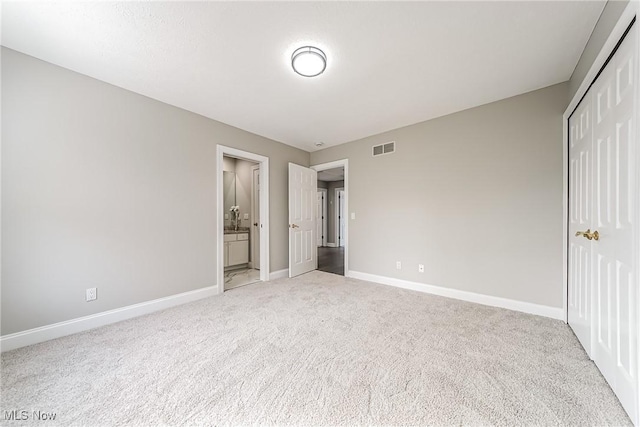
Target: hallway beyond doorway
(334, 249)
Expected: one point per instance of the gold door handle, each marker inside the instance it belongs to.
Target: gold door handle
(589, 235)
(294, 226)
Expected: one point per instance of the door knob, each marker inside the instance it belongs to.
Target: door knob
(255, 224)
(589, 235)
(294, 226)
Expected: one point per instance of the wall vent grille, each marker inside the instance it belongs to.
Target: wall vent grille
(386, 148)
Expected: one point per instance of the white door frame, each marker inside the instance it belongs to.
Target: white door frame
(252, 244)
(332, 165)
(616, 34)
(222, 151)
(325, 213)
(337, 215)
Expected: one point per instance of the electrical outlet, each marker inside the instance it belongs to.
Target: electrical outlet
(92, 294)
(420, 268)
(246, 216)
(398, 265)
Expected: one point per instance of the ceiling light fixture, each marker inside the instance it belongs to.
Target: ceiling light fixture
(309, 61)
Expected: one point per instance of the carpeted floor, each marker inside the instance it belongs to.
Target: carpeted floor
(318, 349)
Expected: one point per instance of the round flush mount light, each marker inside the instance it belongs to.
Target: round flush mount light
(309, 61)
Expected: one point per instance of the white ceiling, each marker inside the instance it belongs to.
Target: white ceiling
(336, 174)
(390, 64)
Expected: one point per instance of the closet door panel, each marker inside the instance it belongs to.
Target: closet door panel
(615, 301)
(580, 194)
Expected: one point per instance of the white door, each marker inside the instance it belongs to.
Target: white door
(321, 216)
(603, 304)
(614, 217)
(255, 225)
(302, 219)
(580, 150)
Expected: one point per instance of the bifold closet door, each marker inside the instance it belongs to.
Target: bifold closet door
(580, 176)
(615, 259)
(603, 193)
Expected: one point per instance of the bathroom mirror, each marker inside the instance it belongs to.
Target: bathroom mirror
(229, 194)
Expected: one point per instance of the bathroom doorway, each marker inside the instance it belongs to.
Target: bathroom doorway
(242, 229)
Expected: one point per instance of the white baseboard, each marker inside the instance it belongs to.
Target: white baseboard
(80, 324)
(510, 304)
(331, 245)
(280, 274)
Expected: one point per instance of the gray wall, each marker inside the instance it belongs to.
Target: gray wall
(228, 164)
(102, 187)
(606, 22)
(476, 196)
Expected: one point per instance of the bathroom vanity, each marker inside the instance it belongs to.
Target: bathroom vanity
(236, 247)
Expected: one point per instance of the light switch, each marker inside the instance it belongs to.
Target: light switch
(353, 215)
(246, 216)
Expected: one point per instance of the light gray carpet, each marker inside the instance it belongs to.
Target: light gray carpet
(318, 349)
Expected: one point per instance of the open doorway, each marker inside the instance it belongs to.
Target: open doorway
(243, 200)
(240, 235)
(332, 191)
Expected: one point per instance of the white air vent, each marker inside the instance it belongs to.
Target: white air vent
(386, 148)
